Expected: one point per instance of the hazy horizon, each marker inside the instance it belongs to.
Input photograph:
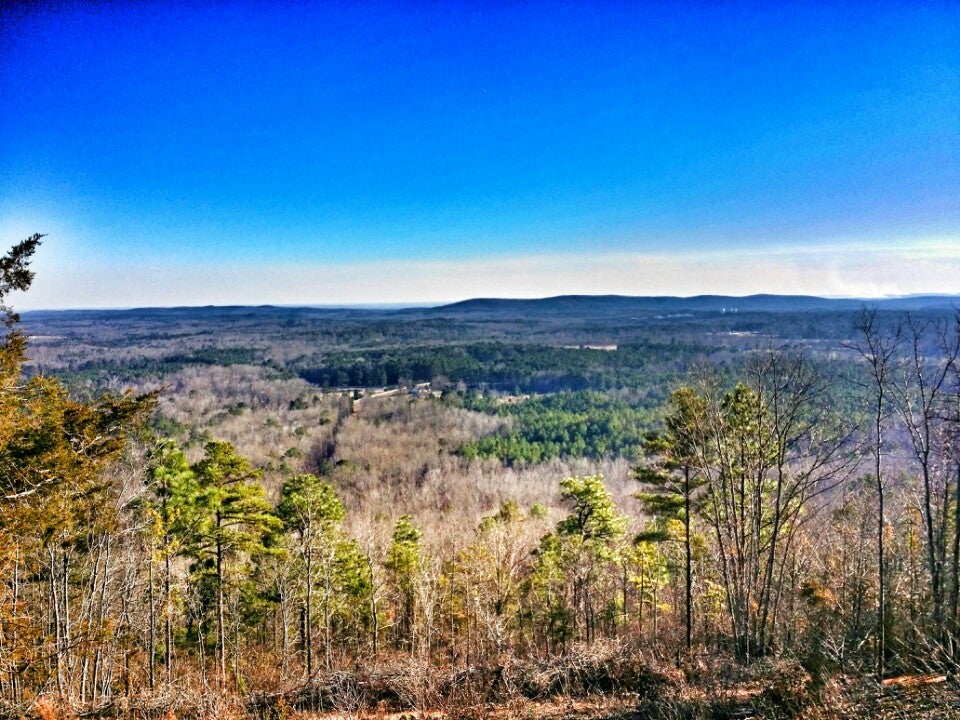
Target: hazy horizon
(423, 305)
(289, 154)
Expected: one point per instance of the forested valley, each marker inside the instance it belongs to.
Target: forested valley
(597, 508)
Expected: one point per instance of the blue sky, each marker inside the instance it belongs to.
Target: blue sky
(298, 152)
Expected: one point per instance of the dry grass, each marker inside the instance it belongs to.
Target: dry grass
(614, 685)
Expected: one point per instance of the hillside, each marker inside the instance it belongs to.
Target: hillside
(594, 305)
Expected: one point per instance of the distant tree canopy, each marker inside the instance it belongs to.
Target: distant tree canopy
(505, 367)
(584, 424)
(96, 372)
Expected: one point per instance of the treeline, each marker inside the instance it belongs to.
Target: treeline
(508, 367)
(137, 371)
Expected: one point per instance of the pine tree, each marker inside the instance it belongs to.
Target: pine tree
(310, 507)
(235, 518)
(671, 481)
(588, 539)
(174, 510)
(404, 559)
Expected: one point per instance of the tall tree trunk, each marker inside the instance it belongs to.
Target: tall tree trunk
(167, 617)
(56, 621)
(955, 574)
(308, 620)
(221, 635)
(688, 562)
(373, 609)
(881, 569)
(201, 649)
(326, 616)
(14, 669)
(153, 619)
(237, 681)
(67, 654)
(284, 633)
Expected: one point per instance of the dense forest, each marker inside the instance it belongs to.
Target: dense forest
(750, 514)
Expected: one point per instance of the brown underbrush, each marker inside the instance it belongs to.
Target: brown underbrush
(617, 683)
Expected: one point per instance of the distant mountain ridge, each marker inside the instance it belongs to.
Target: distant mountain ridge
(557, 306)
(616, 304)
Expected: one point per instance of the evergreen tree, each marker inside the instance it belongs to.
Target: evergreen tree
(594, 517)
(548, 591)
(310, 507)
(671, 481)
(174, 510)
(585, 542)
(404, 559)
(235, 518)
